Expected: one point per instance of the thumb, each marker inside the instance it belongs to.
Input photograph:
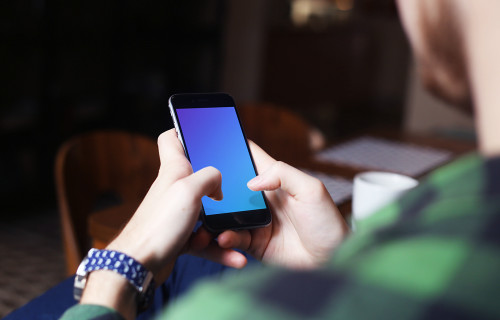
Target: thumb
(281, 175)
(205, 182)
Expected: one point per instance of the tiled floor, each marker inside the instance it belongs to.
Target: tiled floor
(31, 259)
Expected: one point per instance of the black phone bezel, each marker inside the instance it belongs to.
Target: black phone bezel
(223, 221)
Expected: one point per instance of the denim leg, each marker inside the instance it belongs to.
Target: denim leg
(187, 271)
(50, 305)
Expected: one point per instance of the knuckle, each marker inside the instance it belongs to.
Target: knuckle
(213, 171)
(175, 169)
(316, 188)
(182, 185)
(183, 170)
(218, 173)
(317, 184)
(322, 192)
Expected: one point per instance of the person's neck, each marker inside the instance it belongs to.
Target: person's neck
(483, 51)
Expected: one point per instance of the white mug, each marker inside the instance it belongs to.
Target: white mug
(374, 189)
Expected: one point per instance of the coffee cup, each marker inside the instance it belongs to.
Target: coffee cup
(374, 189)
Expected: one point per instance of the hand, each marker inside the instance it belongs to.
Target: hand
(161, 228)
(306, 226)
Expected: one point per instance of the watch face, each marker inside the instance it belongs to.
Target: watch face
(78, 287)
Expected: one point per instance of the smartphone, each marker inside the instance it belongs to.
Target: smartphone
(210, 131)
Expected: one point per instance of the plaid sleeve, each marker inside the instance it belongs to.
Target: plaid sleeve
(435, 254)
(90, 312)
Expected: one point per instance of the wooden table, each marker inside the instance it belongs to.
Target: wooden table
(456, 147)
(104, 225)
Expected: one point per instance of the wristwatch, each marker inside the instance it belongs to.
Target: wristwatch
(138, 276)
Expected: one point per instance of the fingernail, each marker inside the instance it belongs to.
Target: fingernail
(240, 261)
(254, 182)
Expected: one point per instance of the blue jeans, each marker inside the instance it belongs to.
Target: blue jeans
(187, 271)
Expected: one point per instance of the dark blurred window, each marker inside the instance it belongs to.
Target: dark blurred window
(342, 64)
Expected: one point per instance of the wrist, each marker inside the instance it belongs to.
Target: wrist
(101, 262)
(138, 250)
(143, 251)
(107, 288)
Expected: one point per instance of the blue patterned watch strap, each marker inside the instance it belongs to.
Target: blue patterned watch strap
(124, 265)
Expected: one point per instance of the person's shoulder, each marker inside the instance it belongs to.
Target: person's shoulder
(438, 238)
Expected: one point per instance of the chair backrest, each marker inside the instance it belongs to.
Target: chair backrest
(280, 132)
(98, 169)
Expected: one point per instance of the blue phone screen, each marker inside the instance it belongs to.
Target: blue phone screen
(213, 137)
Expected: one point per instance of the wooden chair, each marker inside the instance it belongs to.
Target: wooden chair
(280, 132)
(96, 171)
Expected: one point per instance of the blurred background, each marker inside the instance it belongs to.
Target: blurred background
(69, 67)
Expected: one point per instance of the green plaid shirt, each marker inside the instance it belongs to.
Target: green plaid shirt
(434, 254)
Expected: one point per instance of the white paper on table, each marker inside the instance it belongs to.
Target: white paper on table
(339, 188)
(381, 154)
